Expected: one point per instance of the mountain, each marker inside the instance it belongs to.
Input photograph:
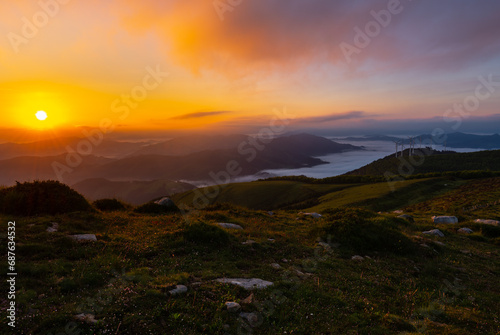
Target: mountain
(132, 192)
(452, 140)
(429, 161)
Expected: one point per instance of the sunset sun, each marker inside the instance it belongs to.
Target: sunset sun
(41, 115)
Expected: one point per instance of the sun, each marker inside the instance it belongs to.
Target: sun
(41, 115)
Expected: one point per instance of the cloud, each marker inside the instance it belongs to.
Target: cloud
(334, 117)
(196, 115)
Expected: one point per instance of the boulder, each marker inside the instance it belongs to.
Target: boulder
(232, 306)
(180, 289)
(357, 258)
(84, 237)
(435, 232)
(53, 228)
(229, 226)
(166, 202)
(465, 231)
(248, 284)
(488, 222)
(445, 219)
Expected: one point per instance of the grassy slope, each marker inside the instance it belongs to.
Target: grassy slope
(124, 277)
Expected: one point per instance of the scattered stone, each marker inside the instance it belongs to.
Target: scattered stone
(53, 228)
(229, 226)
(435, 232)
(272, 240)
(314, 215)
(248, 284)
(276, 266)
(357, 258)
(270, 213)
(445, 219)
(165, 202)
(284, 260)
(398, 211)
(84, 237)
(439, 243)
(180, 289)
(465, 251)
(324, 245)
(465, 231)
(252, 319)
(488, 222)
(302, 275)
(406, 217)
(232, 307)
(368, 257)
(248, 300)
(424, 245)
(87, 318)
(248, 242)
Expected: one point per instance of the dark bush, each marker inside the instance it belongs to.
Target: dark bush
(41, 198)
(490, 231)
(152, 208)
(202, 233)
(108, 205)
(360, 231)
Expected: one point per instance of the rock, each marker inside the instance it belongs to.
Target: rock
(226, 327)
(272, 240)
(324, 245)
(180, 289)
(248, 300)
(398, 211)
(435, 232)
(423, 245)
(276, 266)
(53, 228)
(229, 226)
(488, 222)
(439, 243)
(284, 260)
(406, 217)
(445, 219)
(87, 318)
(465, 231)
(84, 237)
(232, 307)
(166, 202)
(248, 284)
(314, 215)
(248, 242)
(252, 319)
(270, 213)
(357, 258)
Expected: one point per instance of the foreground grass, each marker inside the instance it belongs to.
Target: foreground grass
(124, 278)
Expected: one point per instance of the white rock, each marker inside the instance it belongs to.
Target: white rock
(276, 266)
(178, 290)
(488, 222)
(445, 219)
(435, 232)
(88, 318)
(439, 243)
(229, 226)
(248, 284)
(314, 215)
(465, 231)
(357, 258)
(84, 237)
(53, 228)
(272, 240)
(252, 318)
(166, 201)
(398, 211)
(232, 306)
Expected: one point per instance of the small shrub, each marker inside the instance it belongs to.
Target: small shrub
(152, 208)
(490, 231)
(202, 233)
(108, 205)
(41, 198)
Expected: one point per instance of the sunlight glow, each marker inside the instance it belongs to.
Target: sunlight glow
(41, 115)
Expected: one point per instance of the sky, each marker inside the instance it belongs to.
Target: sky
(234, 65)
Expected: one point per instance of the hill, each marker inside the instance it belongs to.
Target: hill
(351, 271)
(132, 192)
(429, 161)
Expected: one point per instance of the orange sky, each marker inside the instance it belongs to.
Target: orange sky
(88, 60)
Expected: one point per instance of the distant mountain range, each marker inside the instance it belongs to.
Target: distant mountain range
(186, 158)
(453, 140)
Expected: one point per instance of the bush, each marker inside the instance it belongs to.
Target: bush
(362, 232)
(41, 198)
(108, 205)
(152, 208)
(202, 233)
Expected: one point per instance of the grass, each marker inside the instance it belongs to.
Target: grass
(402, 288)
